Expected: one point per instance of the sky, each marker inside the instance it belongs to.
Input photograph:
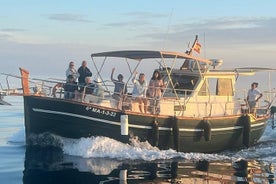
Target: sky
(43, 36)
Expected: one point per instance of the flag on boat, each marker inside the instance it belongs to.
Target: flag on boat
(197, 47)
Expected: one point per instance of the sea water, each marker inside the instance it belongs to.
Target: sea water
(104, 160)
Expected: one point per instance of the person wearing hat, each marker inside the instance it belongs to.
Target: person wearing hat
(120, 89)
(70, 88)
(253, 96)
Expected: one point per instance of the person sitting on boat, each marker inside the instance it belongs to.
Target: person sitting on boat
(253, 96)
(120, 89)
(70, 88)
(88, 90)
(84, 72)
(140, 90)
(57, 87)
(72, 71)
(98, 90)
(155, 89)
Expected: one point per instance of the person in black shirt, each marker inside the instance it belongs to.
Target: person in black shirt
(83, 72)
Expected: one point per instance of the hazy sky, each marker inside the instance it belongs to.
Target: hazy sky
(43, 36)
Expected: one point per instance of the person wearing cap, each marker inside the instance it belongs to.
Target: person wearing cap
(72, 71)
(253, 96)
(120, 89)
(70, 88)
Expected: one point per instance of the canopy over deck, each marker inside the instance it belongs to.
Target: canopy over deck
(145, 54)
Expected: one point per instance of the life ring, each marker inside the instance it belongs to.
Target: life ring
(155, 132)
(246, 130)
(207, 130)
(175, 131)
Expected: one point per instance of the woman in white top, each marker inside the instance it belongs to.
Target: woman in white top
(140, 90)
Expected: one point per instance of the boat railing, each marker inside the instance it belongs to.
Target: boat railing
(185, 104)
(104, 97)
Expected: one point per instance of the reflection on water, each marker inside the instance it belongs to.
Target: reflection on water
(50, 165)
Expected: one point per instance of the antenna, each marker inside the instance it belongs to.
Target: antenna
(169, 25)
(204, 43)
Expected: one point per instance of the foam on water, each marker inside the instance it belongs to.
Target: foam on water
(99, 147)
(18, 137)
(103, 147)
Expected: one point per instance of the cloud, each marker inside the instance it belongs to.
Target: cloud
(8, 34)
(221, 31)
(12, 30)
(137, 19)
(145, 15)
(68, 17)
(135, 23)
(5, 36)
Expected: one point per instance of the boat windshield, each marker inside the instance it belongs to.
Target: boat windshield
(183, 84)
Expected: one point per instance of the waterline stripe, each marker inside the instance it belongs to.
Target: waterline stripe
(138, 126)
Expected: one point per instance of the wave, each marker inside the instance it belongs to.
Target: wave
(99, 147)
(18, 137)
(104, 147)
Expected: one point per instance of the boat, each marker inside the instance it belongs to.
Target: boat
(204, 112)
(8, 91)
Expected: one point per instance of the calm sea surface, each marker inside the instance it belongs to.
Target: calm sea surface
(103, 160)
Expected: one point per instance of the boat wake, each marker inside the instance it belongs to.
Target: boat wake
(104, 147)
(99, 147)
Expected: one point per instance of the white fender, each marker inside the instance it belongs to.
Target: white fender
(124, 124)
(123, 175)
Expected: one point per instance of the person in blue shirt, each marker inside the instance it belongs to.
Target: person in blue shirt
(120, 89)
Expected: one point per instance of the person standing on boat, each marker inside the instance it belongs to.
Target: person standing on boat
(70, 88)
(72, 71)
(140, 90)
(120, 89)
(83, 73)
(253, 96)
(155, 91)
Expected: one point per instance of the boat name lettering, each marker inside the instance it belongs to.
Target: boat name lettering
(101, 111)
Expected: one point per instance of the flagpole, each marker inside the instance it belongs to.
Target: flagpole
(191, 50)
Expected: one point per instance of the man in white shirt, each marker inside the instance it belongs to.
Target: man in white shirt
(253, 95)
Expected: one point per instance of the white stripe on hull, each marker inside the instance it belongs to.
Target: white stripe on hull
(140, 126)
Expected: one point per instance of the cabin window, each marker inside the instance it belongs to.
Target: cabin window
(219, 87)
(182, 84)
(224, 87)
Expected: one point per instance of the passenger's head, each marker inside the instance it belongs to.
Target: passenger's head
(120, 77)
(254, 85)
(70, 78)
(84, 63)
(141, 76)
(156, 75)
(71, 64)
(88, 80)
